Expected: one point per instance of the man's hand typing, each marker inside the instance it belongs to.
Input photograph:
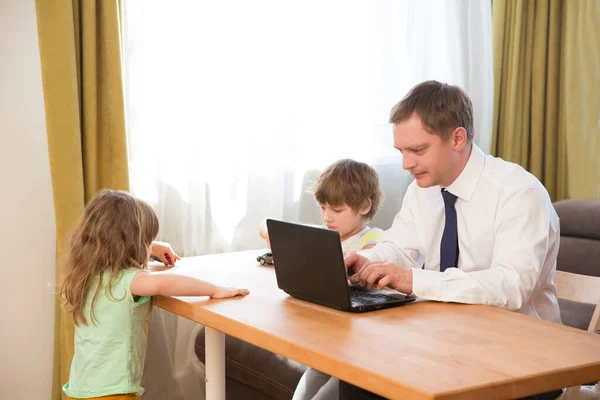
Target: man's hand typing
(353, 262)
(378, 275)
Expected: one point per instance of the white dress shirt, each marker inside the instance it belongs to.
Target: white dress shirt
(508, 238)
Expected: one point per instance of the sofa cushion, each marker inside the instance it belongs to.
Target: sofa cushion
(579, 255)
(575, 314)
(260, 369)
(579, 218)
(236, 390)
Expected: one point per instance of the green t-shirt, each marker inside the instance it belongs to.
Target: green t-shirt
(110, 350)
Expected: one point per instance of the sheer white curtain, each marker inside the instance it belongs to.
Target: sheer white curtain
(230, 103)
(233, 106)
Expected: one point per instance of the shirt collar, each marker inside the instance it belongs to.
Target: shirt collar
(464, 186)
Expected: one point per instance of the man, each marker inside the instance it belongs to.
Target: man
(472, 229)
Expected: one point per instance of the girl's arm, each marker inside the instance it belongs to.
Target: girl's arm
(144, 284)
(164, 253)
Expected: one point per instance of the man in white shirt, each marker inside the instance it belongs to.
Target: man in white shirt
(472, 229)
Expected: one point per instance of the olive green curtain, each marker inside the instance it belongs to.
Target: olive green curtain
(80, 51)
(546, 101)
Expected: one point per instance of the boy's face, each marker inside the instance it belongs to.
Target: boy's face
(343, 219)
(429, 159)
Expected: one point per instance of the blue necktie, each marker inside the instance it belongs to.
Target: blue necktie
(449, 247)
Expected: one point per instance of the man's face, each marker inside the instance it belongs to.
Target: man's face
(429, 159)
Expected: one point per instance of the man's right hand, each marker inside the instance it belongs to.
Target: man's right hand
(353, 263)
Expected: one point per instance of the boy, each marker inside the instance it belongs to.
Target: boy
(348, 194)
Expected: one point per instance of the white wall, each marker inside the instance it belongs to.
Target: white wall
(27, 235)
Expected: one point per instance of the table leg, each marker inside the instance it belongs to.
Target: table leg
(215, 364)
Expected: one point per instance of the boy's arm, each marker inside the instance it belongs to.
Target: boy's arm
(144, 284)
(263, 232)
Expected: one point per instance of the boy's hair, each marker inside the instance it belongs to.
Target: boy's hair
(441, 108)
(113, 234)
(349, 182)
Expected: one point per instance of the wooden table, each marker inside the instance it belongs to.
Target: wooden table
(424, 350)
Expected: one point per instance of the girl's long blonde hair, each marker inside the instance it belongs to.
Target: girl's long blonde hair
(113, 234)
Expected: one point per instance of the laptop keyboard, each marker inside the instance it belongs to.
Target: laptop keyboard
(361, 295)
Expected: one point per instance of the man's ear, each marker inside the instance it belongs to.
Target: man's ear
(459, 138)
(366, 207)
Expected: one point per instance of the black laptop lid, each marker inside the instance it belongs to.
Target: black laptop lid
(309, 263)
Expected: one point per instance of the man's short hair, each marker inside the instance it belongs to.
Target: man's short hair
(441, 108)
(349, 182)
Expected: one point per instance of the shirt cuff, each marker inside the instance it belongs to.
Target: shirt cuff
(427, 284)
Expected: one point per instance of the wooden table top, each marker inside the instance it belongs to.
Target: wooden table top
(423, 350)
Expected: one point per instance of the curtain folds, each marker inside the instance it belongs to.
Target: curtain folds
(80, 51)
(546, 103)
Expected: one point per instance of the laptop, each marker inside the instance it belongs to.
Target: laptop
(309, 265)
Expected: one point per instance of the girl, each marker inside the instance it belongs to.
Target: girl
(107, 289)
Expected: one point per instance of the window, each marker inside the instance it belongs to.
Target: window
(233, 106)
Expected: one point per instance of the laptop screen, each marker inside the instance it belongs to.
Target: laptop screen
(309, 262)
